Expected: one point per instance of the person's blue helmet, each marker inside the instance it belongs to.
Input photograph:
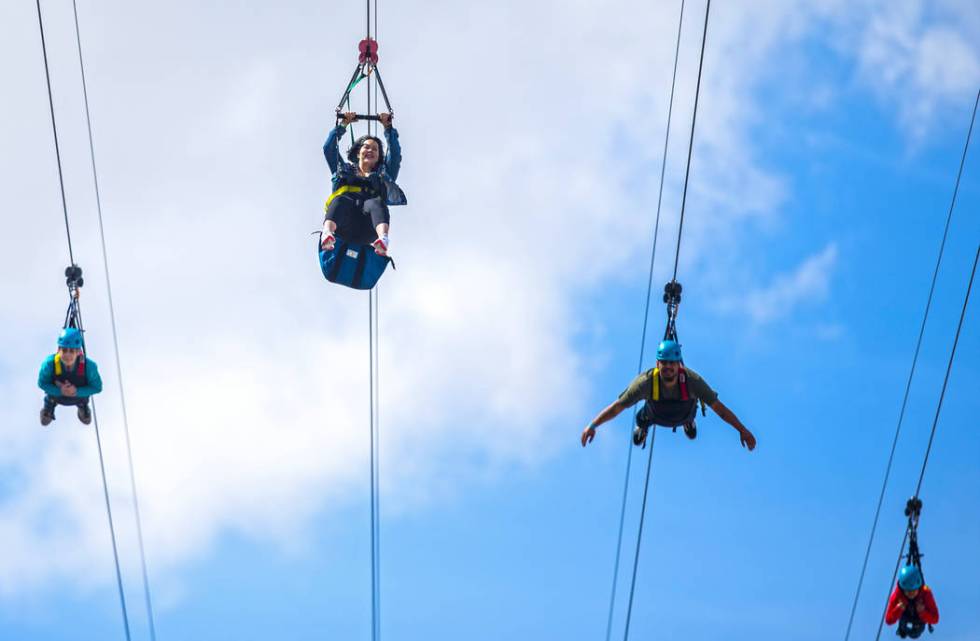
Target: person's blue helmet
(70, 338)
(670, 351)
(910, 578)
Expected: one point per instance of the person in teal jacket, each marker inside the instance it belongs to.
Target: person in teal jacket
(68, 378)
(363, 189)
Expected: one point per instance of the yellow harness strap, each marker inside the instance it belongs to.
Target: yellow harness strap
(57, 365)
(656, 383)
(345, 189)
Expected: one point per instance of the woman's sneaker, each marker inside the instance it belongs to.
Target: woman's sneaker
(381, 246)
(46, 416)
(84, 414)
(327, 241)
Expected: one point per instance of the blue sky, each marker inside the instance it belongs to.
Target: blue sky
(827, 145)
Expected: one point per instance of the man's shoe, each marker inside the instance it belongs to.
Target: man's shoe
(84, 414)
(46, 416)
(691, 430)
(640, 436)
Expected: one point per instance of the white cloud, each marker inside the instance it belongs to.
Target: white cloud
(925, 58)
(807, 283)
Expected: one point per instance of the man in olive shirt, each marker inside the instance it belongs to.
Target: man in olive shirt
(672, 393)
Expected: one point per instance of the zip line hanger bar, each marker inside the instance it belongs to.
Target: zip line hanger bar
(362, 117)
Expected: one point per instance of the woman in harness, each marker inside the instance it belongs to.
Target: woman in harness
(363, 188)
(672, 393)
(912, 604)
(68, 378)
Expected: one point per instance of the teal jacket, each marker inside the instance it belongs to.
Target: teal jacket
(88, 384)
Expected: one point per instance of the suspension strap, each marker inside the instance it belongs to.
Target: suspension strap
(913, 509)
(367, 64)
(672, 298)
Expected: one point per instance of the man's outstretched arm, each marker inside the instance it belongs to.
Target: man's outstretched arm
(744, 435)
(606, 415)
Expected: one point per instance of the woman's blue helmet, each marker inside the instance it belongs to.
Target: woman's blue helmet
(70, 338)
(910, 578)
(670, 351)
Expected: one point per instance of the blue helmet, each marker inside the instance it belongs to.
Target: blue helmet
(910, 578)
(70, 338)
(670, 351)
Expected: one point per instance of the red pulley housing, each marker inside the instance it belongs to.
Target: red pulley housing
(368, 49)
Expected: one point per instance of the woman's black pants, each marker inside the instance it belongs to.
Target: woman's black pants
(357, 219)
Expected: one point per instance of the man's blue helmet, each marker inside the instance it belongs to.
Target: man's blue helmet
(669, 351)
(70, 338)
(910, 578)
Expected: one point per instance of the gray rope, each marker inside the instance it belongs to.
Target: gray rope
(54, 130)
(115, 339)
(78, 311)
(646, 485)
(690, 146)
(908, 382)
(105, 494)
(646, 319)
(935, 423)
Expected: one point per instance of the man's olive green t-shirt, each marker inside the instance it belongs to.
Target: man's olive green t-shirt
(640, 389)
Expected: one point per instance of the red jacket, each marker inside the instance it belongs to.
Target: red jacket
(899, 602)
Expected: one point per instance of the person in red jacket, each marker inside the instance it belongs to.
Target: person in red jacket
(911, 604)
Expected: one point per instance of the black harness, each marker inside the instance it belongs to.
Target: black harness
(667, 412)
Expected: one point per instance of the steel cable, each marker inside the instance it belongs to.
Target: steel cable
(115, 337)
(646, 319)
(680, 229)
(935, 423)
(54, 129)
(71, 255)
(690, 146)
(908, 382)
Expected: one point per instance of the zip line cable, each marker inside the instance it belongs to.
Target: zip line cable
(639, 537)
(935, 423)
(115, 337)
(949, 367)
(377, 399)
(54, 129)
(78, 314)
(690, 146)
(374, 311)
(646, 318)
(374, 519)
(646, 484)
(105, 493)
(377, 459)
(908, 383)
